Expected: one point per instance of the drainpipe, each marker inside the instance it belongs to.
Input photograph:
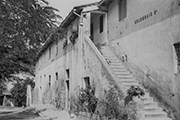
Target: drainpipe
(74, 11)
(81, 47)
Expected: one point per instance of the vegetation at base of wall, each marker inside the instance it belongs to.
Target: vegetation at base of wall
(87, 101)
(113, 106)
(3, 87)
(133, 92)
(59, 95)
(19, 91)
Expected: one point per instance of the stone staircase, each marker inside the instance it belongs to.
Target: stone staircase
(151, 110)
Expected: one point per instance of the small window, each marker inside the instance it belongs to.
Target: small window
(122, 9)
(92, 31)
(87, 81)
(40, 81)
(177, 49)
(50, 52)
(67, 73)
(49, 80)
(56, 75)
(57, 48)
(67, 84)
(101, 25)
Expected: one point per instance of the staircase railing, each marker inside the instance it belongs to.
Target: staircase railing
(121, 55)
(104, 62)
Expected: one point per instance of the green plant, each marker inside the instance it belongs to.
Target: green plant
(73, 37)
(87, 101)
(65, 44)
(133, 92)
(112, 107)
(19, 90)
(59, 94)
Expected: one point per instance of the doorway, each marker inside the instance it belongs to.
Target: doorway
(67, 95)
(177, 50)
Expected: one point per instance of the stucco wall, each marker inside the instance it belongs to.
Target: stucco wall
(99, 37)
(140, 14)
(46, 92)
(56, 52)
(148, 42)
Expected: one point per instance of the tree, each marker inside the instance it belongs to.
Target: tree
(25, 25)
(19, 91)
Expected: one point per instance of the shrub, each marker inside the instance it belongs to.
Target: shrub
(87, 99)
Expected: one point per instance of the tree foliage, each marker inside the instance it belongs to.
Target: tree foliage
(24, 26)
(19, 91)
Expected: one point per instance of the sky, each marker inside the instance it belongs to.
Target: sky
(65, 6)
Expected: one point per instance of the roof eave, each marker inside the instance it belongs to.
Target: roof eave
(104, 2)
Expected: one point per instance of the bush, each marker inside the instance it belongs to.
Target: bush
(19, 91)
(87, 99)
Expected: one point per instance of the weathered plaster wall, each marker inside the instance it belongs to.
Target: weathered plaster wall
(86, 63)
(99, 37)
(56, 53)
(148, 44)
(48, 65)
(46, 92)
(140, 14)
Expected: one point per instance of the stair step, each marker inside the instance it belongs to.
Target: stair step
(124, 76)
(123, 73)
(116, 64)
(146, 98)
(152, 108)
(114, 61)
(155, 114)
(147, 103)
(107, 52)
(118, 67)
(112, 57)
(161, 118)
(130, 84)
(119, 70)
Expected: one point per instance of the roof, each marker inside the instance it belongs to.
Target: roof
(71, 16)
(65, 23)
(104, 2)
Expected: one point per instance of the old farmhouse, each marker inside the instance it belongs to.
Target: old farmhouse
(119, 43)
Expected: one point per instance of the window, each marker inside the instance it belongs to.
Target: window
(92, 31)
(101, 23)
(56, 75)
(177, 49)
(67, 73)
(87, 81)
(67, 84)
(122, 9)
(40, 82)
(49, 80)
(57, 48)
(50, 52)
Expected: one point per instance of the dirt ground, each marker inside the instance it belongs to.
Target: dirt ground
(8, 113)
